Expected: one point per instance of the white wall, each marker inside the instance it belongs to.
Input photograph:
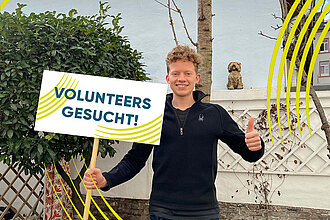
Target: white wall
(235, 30)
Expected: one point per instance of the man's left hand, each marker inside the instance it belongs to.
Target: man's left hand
(252, 138)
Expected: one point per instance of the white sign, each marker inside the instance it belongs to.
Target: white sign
(101, 107)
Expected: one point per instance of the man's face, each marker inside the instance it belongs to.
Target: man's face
(182, 78)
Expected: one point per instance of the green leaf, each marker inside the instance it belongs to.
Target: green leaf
(6, 112)
(30, 117)
(14, 107)
(72, 12)
(10, 133)
(40, 149)
(21, 84)
(23, 121)
(51, 153)
(2, 157)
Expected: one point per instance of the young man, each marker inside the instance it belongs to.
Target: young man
(185, 162)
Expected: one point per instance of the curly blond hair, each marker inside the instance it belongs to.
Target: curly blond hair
(183, 53)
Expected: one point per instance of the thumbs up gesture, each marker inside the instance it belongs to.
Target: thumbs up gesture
(252, 138)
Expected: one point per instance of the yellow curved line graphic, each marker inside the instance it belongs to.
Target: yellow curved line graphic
(293, 63)
(154, 141)
(54, 98)
(54, 104)
(130, 129)
(66, 192)
(304, 56)
(135, 132)
(144, 140)
(311, 67)
(131, 133)
(141, 141)
(104, 200)
(98, 208)
(48, 93)
(272, 63)
(280, 73)
(41, 117)
(53, 95)
(117, 135)
(3, 4)
(131, 138)
(56, 193)
(81, 200)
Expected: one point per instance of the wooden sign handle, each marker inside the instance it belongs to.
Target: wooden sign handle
(92, 165)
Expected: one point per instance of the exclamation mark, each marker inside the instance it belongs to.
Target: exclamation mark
(136, 119)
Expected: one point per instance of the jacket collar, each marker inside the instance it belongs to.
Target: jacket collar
(198, 96)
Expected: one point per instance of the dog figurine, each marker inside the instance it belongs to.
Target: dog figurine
(234, 77)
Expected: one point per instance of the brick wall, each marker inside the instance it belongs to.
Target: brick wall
(137, 209)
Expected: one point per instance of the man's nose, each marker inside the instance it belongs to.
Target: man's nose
(182, 77)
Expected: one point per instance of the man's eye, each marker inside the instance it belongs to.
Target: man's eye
(188, 74)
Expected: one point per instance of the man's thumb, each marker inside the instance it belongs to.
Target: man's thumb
(250, 125)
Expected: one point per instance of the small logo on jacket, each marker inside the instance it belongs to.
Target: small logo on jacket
(201, 118)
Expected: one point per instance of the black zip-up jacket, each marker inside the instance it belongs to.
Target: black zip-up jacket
(185, 162)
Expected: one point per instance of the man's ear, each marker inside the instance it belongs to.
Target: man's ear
(167, 79)
(198, 77)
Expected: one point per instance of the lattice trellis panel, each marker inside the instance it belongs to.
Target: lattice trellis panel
(306, 154)
(21, 196)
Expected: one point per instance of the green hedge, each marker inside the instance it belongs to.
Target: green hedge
(30, 44)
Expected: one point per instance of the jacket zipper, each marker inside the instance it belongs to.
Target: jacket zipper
(181, 131)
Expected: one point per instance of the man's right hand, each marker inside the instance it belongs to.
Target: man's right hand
(98, 178)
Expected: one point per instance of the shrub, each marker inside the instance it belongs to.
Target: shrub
(32, 43)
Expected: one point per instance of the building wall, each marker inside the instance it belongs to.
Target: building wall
(322, 56)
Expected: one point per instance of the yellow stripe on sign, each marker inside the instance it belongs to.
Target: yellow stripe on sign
(272, 63)
(145, 140)
(130, 138)
(53, 95)
(104, 200)
(304, 56)
(280, 73)
(53, 104)
(3, 4)
(154, 141)
(132, 133)
(41, 117)
(44, 96)
(293, 64)
(129, 129)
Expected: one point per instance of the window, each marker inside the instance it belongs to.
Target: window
(325, 45)
(324, 68)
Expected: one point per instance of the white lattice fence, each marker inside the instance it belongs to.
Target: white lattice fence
(304, 155)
